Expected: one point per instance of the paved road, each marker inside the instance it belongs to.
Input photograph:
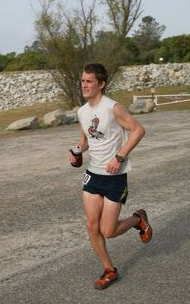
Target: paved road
(45, 253)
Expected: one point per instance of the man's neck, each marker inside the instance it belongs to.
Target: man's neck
(96, 100)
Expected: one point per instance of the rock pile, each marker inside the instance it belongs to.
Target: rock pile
(153, 75)
(18, 89)
(59, 117)
(24, 124)
(51, 119)
(142, 106)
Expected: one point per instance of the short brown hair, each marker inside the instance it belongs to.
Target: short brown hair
(98, 70)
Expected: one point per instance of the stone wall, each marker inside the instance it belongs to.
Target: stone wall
(19, 89)
(154, 75)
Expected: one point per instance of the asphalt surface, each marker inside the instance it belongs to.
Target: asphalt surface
(45, 254)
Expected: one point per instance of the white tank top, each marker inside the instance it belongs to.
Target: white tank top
(105, 136)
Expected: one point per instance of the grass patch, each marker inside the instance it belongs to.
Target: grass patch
(126, 97)
(123, 96)
(38, 110)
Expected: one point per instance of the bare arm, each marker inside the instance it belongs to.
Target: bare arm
(83, 143)
(129, 123)
(136, 130)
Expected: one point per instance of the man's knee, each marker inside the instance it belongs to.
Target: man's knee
(92, 227)
(108, 232)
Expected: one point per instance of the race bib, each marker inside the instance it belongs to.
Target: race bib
(86, 178)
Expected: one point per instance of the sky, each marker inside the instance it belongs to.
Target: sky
(17, 20)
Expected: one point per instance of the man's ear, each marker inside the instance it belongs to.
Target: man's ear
(102, 84)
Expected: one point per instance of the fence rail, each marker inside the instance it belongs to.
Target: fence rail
(175, 98)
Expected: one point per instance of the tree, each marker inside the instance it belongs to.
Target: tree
(5, 60)
(175, 49)
(122, 15)
(35, 47)
(28, 61)
(70, 40)
(147, 39)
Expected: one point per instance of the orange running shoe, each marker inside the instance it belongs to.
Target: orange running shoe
(108, 277)
(144, 226)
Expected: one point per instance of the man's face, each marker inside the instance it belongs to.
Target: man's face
(91, 88)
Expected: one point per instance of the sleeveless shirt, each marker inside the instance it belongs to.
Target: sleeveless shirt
(105, 136)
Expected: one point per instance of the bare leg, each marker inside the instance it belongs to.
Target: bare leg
(93, 205)
(110, 225)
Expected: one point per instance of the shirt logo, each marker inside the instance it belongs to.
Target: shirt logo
(93, 129)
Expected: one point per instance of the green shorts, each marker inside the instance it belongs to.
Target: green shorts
(113, 187)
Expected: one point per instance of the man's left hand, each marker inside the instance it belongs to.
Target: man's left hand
(113, 166)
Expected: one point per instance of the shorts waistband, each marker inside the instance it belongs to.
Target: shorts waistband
(107, 176)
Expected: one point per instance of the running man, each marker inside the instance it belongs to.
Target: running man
(105, 125)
